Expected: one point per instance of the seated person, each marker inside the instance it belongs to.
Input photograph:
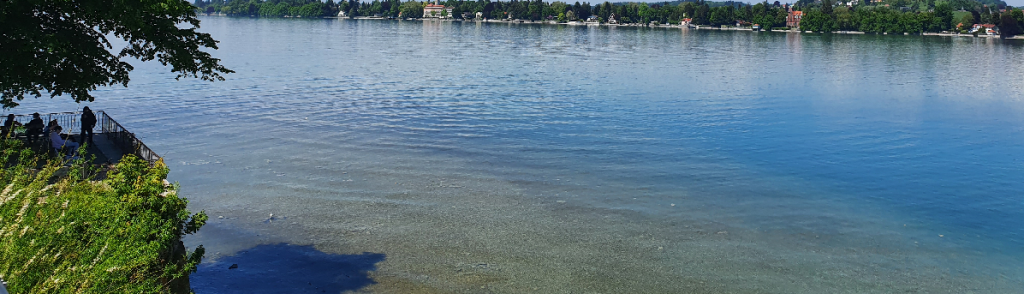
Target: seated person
(49, 126)
(34, 128)
(53, 124)
(59, 143)
(9, 125)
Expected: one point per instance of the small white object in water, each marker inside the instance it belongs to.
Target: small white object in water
(220, 216)
(673, 204)
(271, 215)
(560, 201)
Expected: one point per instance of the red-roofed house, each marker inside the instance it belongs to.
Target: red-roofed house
(793, 19)
(435, 10)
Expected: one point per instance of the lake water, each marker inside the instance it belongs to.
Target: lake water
(552, 159)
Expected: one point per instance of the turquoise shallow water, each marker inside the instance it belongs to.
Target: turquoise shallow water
(603, 159)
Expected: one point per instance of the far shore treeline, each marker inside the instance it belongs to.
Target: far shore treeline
(884, 16)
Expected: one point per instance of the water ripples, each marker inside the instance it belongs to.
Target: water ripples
(790, 133)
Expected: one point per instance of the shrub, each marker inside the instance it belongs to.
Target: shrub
(63, 232)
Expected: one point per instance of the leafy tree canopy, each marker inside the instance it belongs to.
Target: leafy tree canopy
(65, 47)
(1009, 26)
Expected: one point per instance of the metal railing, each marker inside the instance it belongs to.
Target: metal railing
(124, 139)
(117, 134)
(67, 120)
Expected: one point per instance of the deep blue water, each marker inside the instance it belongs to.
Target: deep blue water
(789, 134)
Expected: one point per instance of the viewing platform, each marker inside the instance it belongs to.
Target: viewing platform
(110, 141)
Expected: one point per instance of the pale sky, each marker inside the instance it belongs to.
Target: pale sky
(1014, 3)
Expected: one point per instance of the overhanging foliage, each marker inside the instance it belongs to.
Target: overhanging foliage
(62, 47)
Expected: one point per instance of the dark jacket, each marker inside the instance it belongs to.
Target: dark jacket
(35, 125)
(9, 125)
(88, 120)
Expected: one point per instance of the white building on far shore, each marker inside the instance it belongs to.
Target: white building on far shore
(434, 11)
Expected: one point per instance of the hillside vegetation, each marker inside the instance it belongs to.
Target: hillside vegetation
(63, 231)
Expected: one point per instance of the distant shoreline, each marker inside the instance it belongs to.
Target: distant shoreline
(666, 26)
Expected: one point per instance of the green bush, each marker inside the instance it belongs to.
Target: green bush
(61, 231)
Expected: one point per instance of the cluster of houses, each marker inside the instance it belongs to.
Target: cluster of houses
(792, 20)
(435, 10)
(989, 29)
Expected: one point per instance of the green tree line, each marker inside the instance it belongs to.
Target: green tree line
(889, 16)
(272, 8)
(705, 13)
(824, 17)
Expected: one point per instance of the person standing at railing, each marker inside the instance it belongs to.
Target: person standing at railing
(88, 123)
(34, 128)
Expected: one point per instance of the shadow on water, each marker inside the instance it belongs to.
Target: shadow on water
(284, 268)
